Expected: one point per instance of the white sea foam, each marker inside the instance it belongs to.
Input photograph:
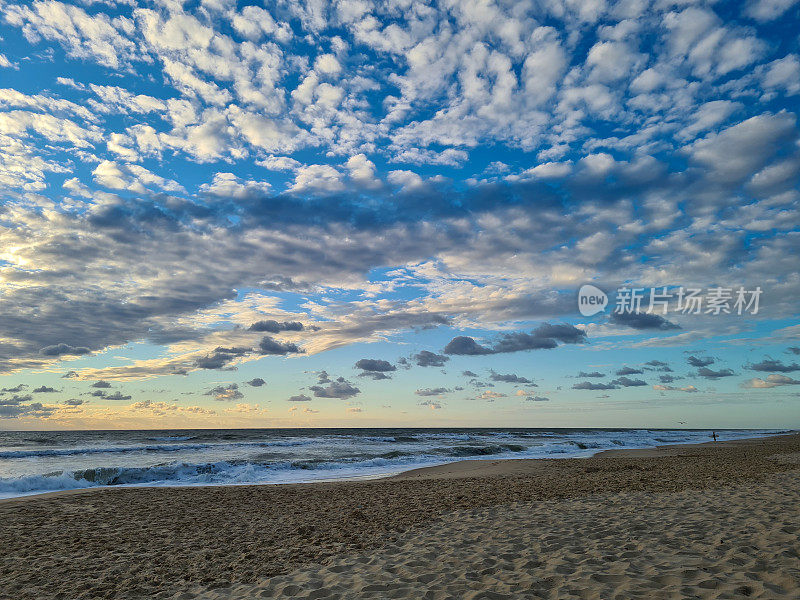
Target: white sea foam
(71, 460)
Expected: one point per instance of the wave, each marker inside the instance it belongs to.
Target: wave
(146, 448)
(303, 459)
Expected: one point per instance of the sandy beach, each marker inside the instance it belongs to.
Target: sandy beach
(706, 521)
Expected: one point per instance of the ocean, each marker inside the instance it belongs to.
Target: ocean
(35, 462)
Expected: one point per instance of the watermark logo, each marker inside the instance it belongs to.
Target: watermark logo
(591, 300)
(683, 300)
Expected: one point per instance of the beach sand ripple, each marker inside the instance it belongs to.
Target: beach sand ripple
(713, 521)
(737, 542)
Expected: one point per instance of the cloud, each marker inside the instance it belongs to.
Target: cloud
(537, 399)
(696, 361)
(711, 374)
(271, 326)
(35, 409)
(257, 382)
(508, 378)
(490, 395)
(15, 389)
(465, 345)
(669, 388)
(431, 404)
(299, 398)
(591, 385)
(628, 371)
(101, 384)
(116, 396)
(774, 366)
(271, 346)
(637, 320)
(658, 365)
(340, 388)
(545, 336)
(425, 358)
(375, 365)
(628, 382)
(225, 393)
(63, 349)
(591, 374)
(432, 391)
(772, 380)
(221, 357)
(44, 389)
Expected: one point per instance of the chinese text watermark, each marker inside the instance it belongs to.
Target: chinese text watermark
(684, 300)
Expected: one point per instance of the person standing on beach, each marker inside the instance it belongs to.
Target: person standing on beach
(714, 435)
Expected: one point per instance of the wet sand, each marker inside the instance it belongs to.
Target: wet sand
(708, 521)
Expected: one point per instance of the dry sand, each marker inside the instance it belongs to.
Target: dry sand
(713, 521)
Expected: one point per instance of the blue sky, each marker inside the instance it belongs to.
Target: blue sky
(224, 214)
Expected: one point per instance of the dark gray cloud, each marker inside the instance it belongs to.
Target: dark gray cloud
(74, 402)
(375, 365)
(628, 382)
(432, 391)
(697, 361)
(63, 349)
(340, 388)
(45, 390)
(375, 375)
(626, 370)
(272, 346)
(257, 382)
(658, 365)
(101, 384)
(299, 398)
(271, 326)
(35, 409)
(642, 321)
(508, 378)
(15, 400)
(770, 365)
(667, 378)
(591, 385)
(13, 390)
(537, 399)
(711, 374)
(425, 358)
(220, 357)
(225, 393)
(546, 336)
(591, 374)
(466, 346)
(793, 350)
(117, 396)
(469, 374)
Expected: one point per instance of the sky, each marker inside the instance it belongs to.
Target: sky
(308, 214)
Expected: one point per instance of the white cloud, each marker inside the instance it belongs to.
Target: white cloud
(317, 177)
(783, 74)
(131, 177)
(228, 185)
(84, 36)
(768, 10)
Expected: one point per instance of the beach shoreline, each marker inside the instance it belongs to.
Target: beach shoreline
(161, 542)
(456, 468)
